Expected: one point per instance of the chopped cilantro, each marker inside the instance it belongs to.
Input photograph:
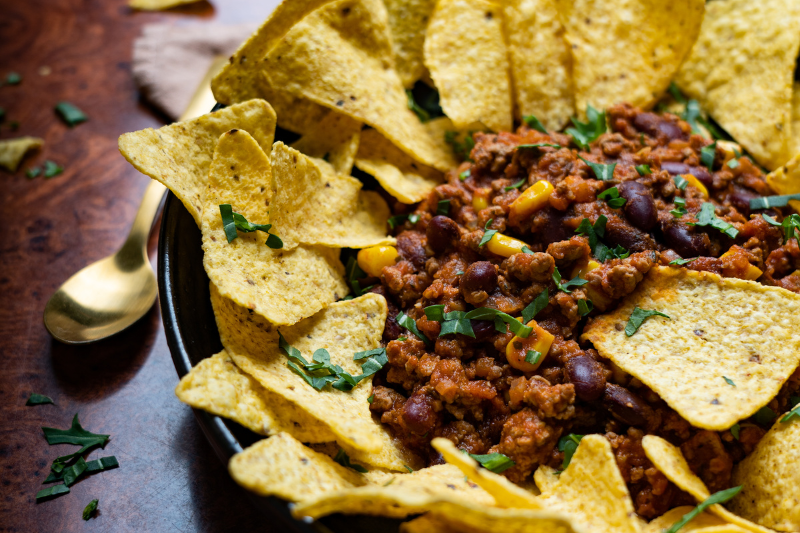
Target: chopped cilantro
(89, 510)
(233, 222)
(690, 114)
(435, 312)
(729, 381)
(733, 163)
(320, 372)
(707, 217)
(536, 306)
(577, 281)
(643, 170)
(487, 233)
(765, 416)
(52, 169)
(423, 100)
(592, 231)
(612, 198)
(495, 462)
(51, 492)
(71, 473)
(708, 154)
(585, 307)
(38, 399)
(585, 132)
(516, 185)
(680, 182)
(735, 430)
(533, 123)
(443, 207)
(568, 444)
(343, 459)
(487, 313)
(464, 175)
(638, 316)
(718, 497)
(526, 250)
(370, 398)
(681, 261)
(790, 226)
(407, 322)
(70, 114)
(765, 202)
(532, 356)
(680, 207)
(456, 322)
(604, 253)
(601, 171)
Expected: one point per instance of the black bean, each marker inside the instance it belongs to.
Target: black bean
(640, 208)
(419, 415)
(479, 276)
(683, 240)
(587, 376)
(625, 406)
(442, 232)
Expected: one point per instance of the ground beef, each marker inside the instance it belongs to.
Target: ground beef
(463, 388)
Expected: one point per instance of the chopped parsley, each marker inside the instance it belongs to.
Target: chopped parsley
(568, 444)
(638, 316)
(38, 399)
(533, 123)
(443, 207)
(516, 185)
(707, 155)
(434, 312)
(643, 170)
(765, 202)
(487, 233)
(680, 182)
(585, 307)
(718, 497)
(464, 175)
(13, 78)
(601, 171)
(532, 356)
(52, 169)
(577, 281)
(680, 207)
(735, 430)
(70, 114)
(232, 223)
(407, 322)
(729, 381)
(456, 322)
(536, 306)
(612, 198)
(585, 132)
(707, 217)
(790, 226)
(75, 435)
(89, 510)
(343, 459)
(765, 416)
(681, 261)
(495, 462)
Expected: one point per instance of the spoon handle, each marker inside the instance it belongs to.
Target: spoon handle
(136, 243)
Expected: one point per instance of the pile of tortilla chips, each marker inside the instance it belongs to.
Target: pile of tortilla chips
(337, 72)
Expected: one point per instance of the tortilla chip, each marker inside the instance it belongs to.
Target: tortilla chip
(447, 517)
(397, 495)
(719, 328)
(741, 71)
(343, 157)
(281, 466)
(541, 62)
(795, 148)
(179, 155)
(218, 386)
(770, 479)
(283, 286)
(12, 151)
(408, 20)
(705, 522)
(786, 180)
(312, 204)
(158, 5)
(341, 57)
(467, 59)
(333, 130)
(401, 176)
(591, 490)
(627, 50)
(670, 461)
(506, 493)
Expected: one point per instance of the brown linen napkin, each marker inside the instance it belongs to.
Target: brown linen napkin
(170, 61)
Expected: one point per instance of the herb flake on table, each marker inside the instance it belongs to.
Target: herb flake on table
(638, 316)
(33, 172)
(90, 509)
(38, 399)
(70, 114)
(494, 462)
(233, 223)
(343, 459)
(718, 497)
(92, 467)
(51, 492)
(52, 169)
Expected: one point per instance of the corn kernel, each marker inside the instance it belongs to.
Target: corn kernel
(372, 260)
(696, 183)
(533, 199)
(480, 200)
(504, 245)
(581, 269)
(539, 340)
(729, 150)
(752, 273)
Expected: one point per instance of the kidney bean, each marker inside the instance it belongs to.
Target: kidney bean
(483, 329)
(619, 232)
(555, 230)
(587, 376)
(700, 173)
(418, 414)
(657, 126)
(640, 208)
(442, 232)
(740, 199)
(688, 244)
(625, 406)
(479, 277)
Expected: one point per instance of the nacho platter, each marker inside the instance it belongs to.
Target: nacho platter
(678, 318)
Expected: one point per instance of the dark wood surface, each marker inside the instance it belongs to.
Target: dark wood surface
(169, 478)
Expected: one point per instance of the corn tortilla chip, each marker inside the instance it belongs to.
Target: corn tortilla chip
(670, 461)
(400, 175)
(719, 327)
(770, 479)
(12, 151)
(786, 180)
(218, 386)
(591, 490)
(284, 286)
(341, 57)
(795, 147)
(447, 517)
(343, 156)
(312, 204)
(506, 493)
(333, 130)
(179, 155)
(741, 71)
(157, 5)
(406, 494)
(541, 62)
(466, 56)
(281, 466)
(705, 522)
(627, 50)
(408, 20)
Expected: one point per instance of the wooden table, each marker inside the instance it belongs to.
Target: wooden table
(169, 478)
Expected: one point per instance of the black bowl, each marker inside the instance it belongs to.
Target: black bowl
(192, 336)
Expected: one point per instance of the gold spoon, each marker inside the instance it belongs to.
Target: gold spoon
(111, 294)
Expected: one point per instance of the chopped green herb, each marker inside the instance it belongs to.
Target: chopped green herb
(51, 492)
(680, 207)
(691, 114)
(577, 281)
(389, 482)
(487, 313)
(352, 274)
(33, 172)
(592, 231)
(733, 163)
(790, 226)
(70, 114)
(371, 398)
(396, 220)
(97, 465)
(233, 222)
(516, 185)
(718, 497)
(487, 233)
(533, 123)
(434, 312)
(707, 217)
(568, 444)
(443, 207)
(532, 356)
(604, 253)
(765, 202)
(676, 93)
(343, 459)
(13, 78)
(38, 399)
(75, 435)
(735, 430)
(681, 261)
(89, 510)
(765, 416)
(455, 322)
(612, 198)
(536, 146)
(638, 316)
(52, 169)
(538, 303)
(407, 322)
(643, 170)
(794, 413)
(729, 381)
(411, 470)
(680, 182)
(461, 148)
(464, 175)
(708, 154)
(601, 171)
(526, 250)
(495, 462)
(421, 113)
(585, 132)
(585, 307)
(71, 474)
(460, 273)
